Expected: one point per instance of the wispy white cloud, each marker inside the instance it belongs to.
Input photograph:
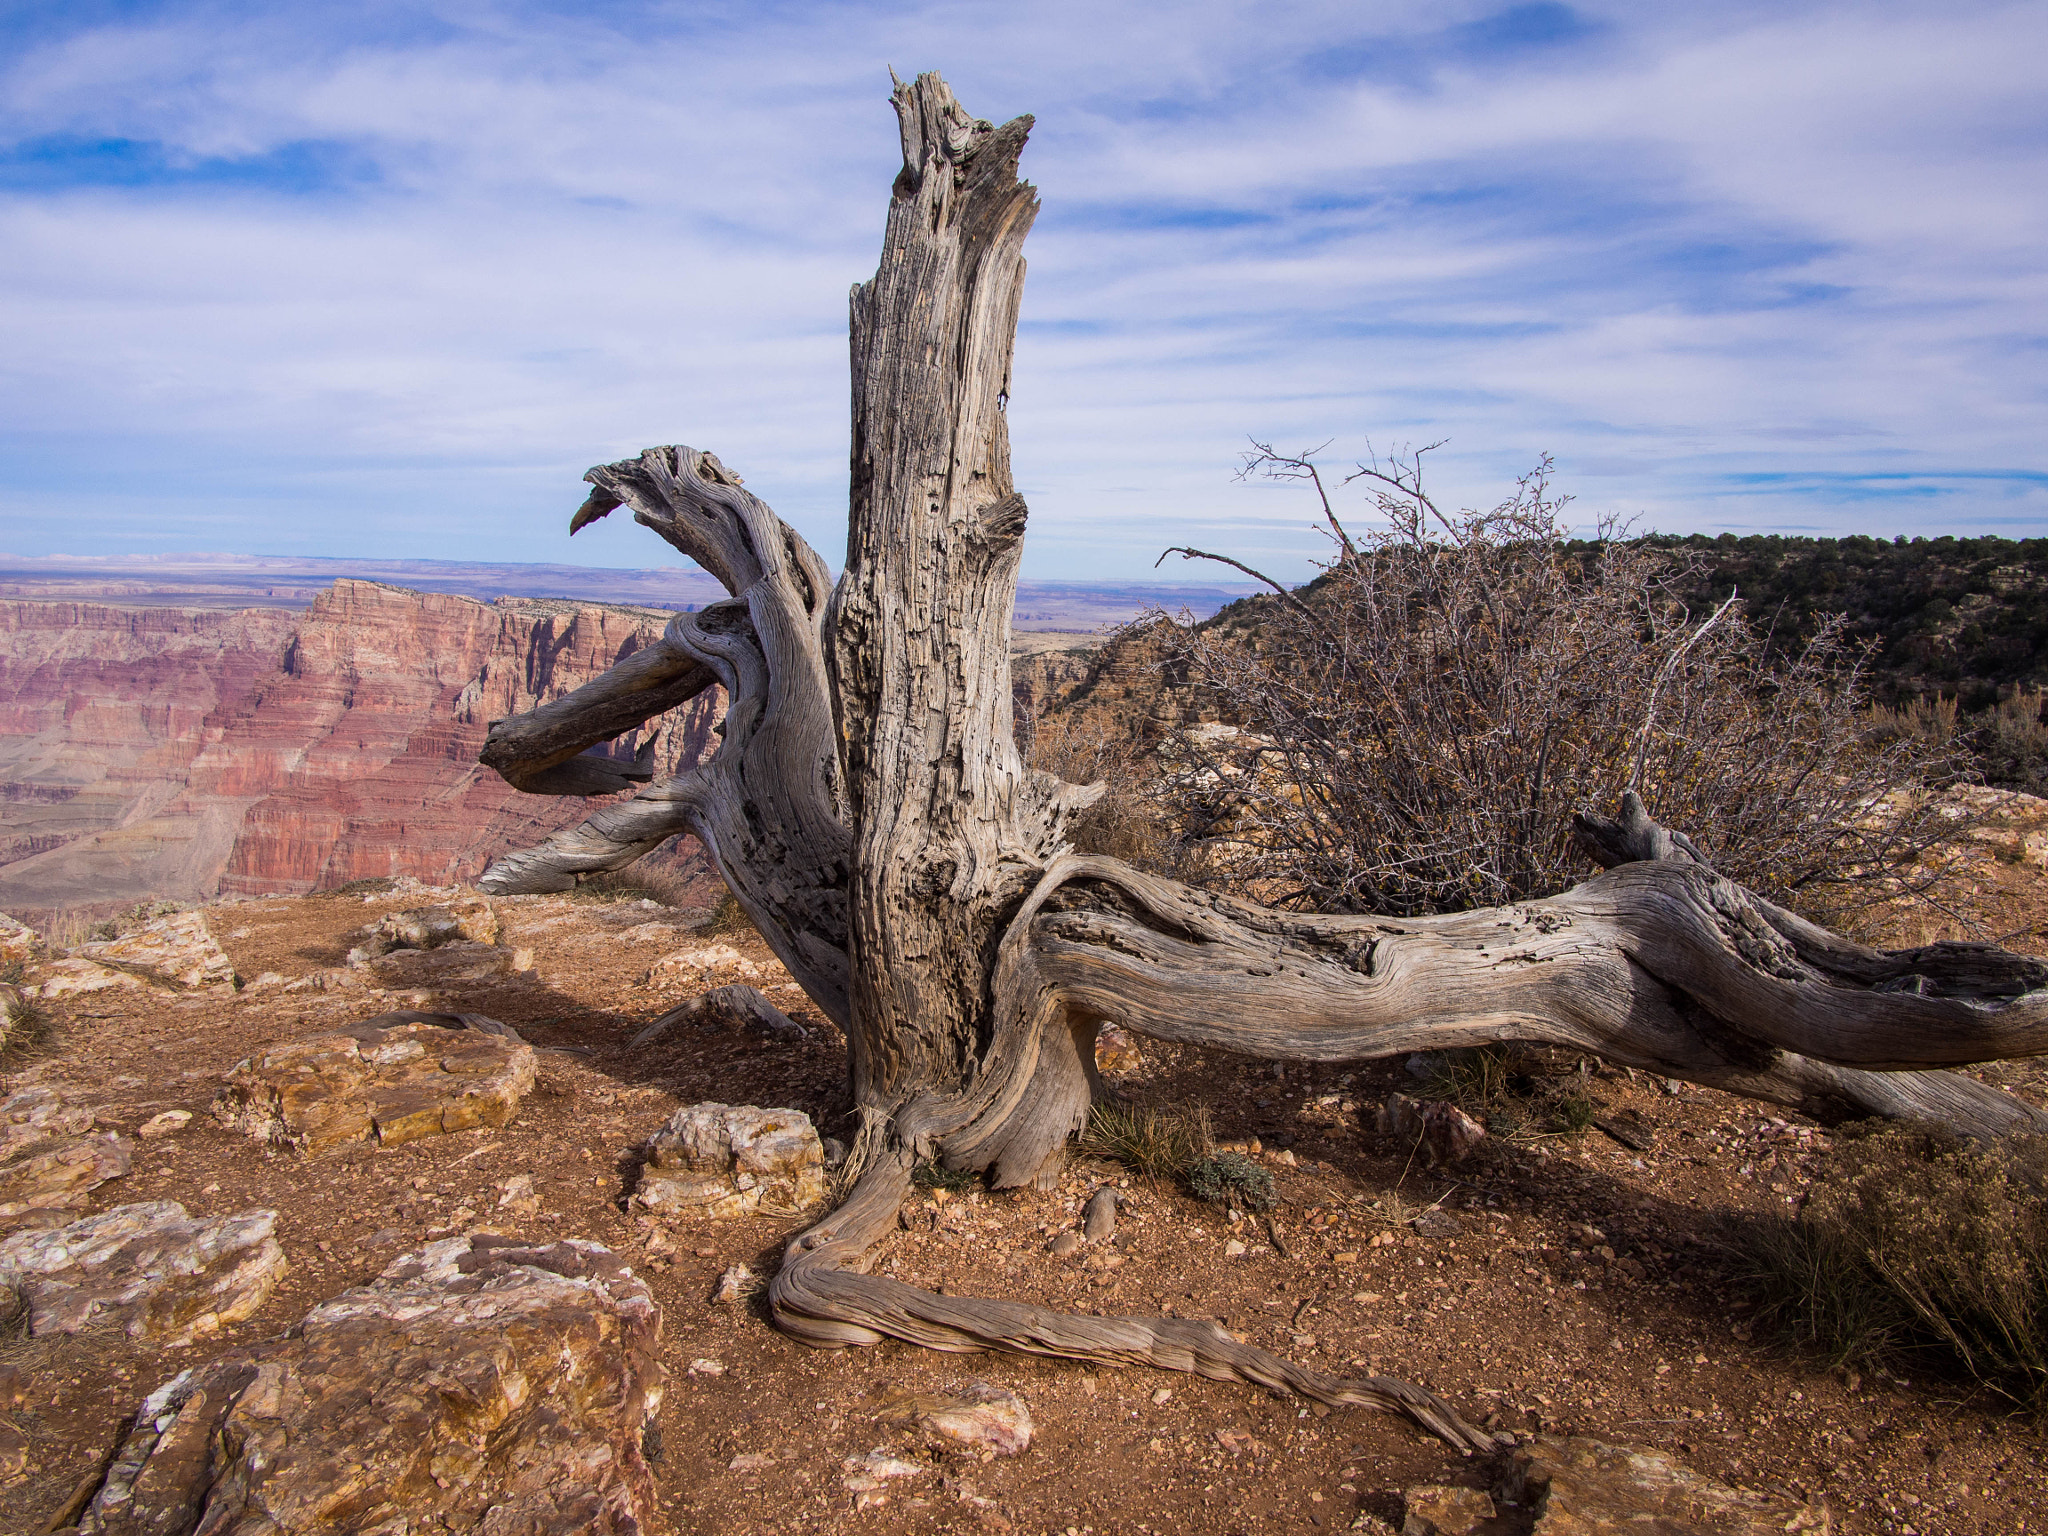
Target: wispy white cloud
(330, 279)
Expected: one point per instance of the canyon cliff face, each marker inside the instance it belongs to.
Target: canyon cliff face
(183, 753)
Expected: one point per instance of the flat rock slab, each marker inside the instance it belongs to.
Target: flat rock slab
(479, 1384)
(459, 963)
(730, 1160)
(980, 1418)
(393, 1079)
(150, 1268)
(473, 920)
(49, 1160)
(73, 977)
(177, 950)
(1582, 1487)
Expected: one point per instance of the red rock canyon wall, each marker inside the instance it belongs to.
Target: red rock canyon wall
(184, 753)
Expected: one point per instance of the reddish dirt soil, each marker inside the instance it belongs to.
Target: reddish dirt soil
(1511, 1309)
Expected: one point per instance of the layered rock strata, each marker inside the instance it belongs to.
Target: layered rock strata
(50, 1157)
(480, 1384)
(394, 1078)
(187, 754)
(731, 1160)
(152, 1269)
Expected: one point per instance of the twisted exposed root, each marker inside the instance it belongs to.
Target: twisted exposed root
(821, 1297)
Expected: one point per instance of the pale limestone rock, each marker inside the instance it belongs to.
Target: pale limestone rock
(1446, 1512)
(18, 941)
(478, 1385)
(868, 1476)
(986, 1420)
(1445, 1132)
(648, 933)
(73, 977)
(330, 979)
(690, 965)
(395, 1078)
(48, 1159)
(729, 1160)
(150, 1268)
(1116, 1049)
(737, 1284)
(37, 1112)
(1098, 1219)
(1581, 1487)
(177, 949)
(517, 1195)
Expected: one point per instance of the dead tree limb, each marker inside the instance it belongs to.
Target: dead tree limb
(869, 808)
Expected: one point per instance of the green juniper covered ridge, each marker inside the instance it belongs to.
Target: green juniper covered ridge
(1964, 618)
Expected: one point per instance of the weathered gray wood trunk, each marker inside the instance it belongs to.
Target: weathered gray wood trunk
(870, 811)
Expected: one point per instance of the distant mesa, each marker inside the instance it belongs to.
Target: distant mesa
(280, 581)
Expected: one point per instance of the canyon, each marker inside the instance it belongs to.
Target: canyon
(186, 752)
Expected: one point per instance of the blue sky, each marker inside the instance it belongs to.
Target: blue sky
(383, 280)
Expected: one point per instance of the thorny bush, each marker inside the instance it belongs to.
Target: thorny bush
(1412, 731)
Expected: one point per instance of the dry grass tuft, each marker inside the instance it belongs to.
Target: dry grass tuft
(1497, 1085)
(27, 1028)
(1159, 1143)
(1918, 1245)
(636, 882)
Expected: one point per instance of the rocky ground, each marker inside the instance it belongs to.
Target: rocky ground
(1552, 1283)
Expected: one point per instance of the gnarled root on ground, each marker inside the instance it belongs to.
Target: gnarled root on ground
(823, 1297)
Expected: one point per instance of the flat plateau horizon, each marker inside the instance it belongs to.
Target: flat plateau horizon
(222, 580)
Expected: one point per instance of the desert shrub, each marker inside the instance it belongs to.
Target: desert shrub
(1475, 1078)
(2012, 743)
(1572, 1110)
(1918, 1245)
(1159, 1143)
(1412, 731)
(1231, 1178)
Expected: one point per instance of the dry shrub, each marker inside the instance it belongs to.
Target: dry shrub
(2012, 742)
(930, 1175)
(1231, 1178)
(1918, 1245)
(1159, 1143)
(1127, 823)
(636, 882)
(728, 918)
(1414, 729)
